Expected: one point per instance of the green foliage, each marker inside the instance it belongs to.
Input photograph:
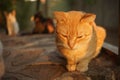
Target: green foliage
(90, 2)
(6, 5)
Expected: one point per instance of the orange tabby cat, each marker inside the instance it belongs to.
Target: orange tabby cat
(78, 38)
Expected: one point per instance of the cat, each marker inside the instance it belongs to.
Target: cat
(2, 67)
(78, 38)
(12, 24)
(42, 24)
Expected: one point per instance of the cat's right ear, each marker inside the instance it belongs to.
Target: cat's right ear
(88, 17)
(59, 14)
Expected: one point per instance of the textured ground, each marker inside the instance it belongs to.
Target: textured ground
(35, 57)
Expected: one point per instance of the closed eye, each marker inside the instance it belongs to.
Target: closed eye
(63, 35)
(80, 36)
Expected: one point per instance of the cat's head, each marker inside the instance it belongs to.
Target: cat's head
(73, 29)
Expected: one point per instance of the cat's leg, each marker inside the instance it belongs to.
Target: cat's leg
(71, 65)
(82, 66)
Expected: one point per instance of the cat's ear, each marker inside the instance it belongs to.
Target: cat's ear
(59, 14)
(88, 17)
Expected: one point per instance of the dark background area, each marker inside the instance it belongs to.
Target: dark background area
(107, 12)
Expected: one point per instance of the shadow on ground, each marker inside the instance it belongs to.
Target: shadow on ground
(35, 57)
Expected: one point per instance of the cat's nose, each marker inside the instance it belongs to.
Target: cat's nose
(71, 44)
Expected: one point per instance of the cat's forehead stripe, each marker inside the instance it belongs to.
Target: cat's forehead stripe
(72, 23)
(73, 15)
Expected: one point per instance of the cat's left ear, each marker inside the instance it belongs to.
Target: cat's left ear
(88, 17)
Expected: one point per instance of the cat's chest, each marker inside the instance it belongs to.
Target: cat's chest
(81, 52)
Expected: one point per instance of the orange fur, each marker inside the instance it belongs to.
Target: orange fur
(78, 38)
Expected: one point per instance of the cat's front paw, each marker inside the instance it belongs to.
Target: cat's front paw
(71, 67)
(82, 68)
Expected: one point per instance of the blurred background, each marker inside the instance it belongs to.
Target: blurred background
(107, 12)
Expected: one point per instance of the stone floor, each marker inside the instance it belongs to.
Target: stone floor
(35, 57)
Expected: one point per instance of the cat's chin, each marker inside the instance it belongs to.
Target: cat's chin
(67, 48)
